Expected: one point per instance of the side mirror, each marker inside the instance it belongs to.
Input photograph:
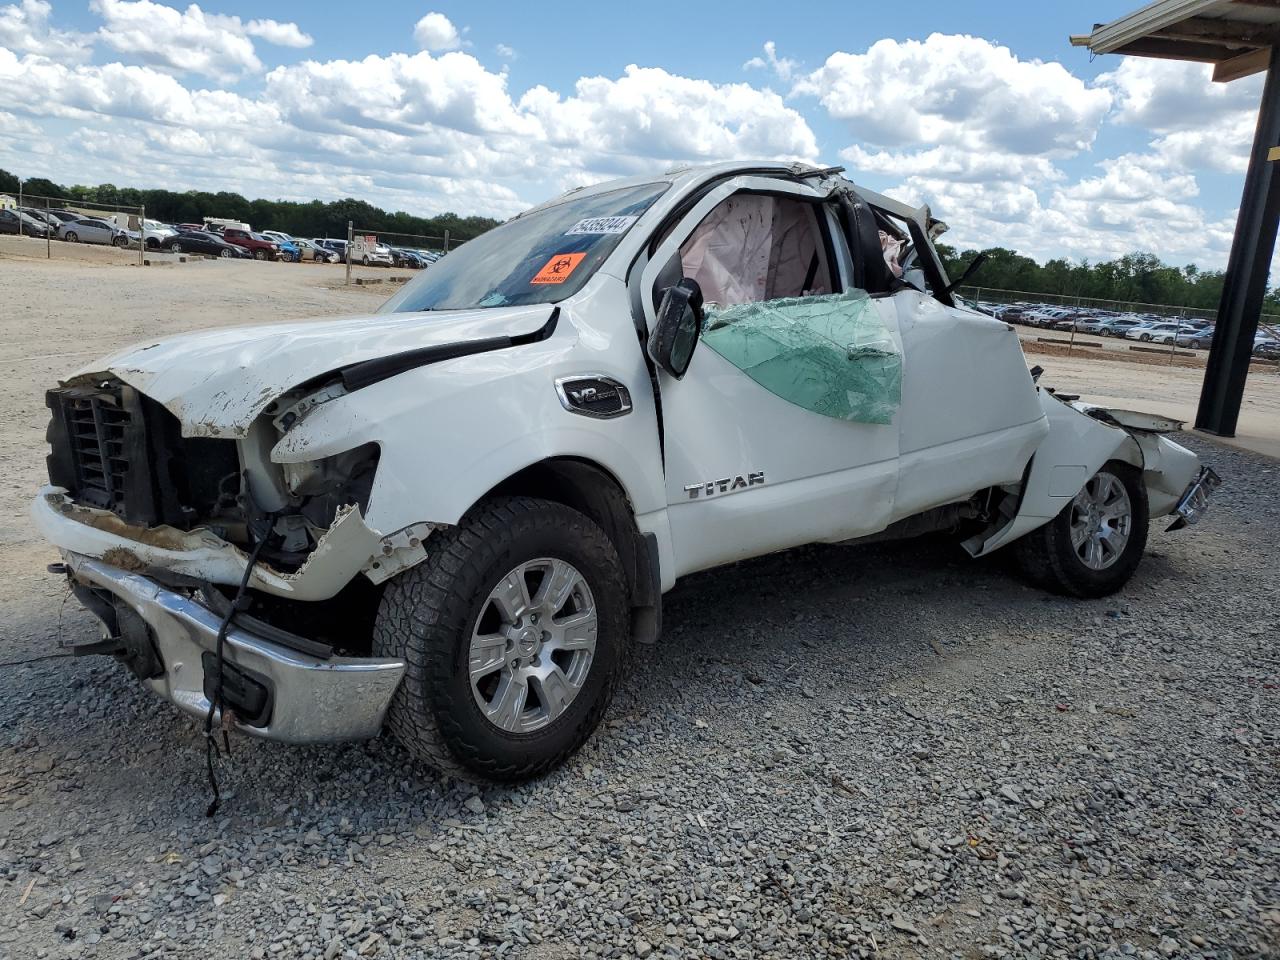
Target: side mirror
(675, 334)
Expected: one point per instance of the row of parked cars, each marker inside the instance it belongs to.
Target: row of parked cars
(1146, 328)
(213, 237)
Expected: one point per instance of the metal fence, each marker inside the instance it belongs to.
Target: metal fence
(986, 297)
(42, 225)
(417, 243)
(1170, 311)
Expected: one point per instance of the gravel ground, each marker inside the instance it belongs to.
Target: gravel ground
(890, 751)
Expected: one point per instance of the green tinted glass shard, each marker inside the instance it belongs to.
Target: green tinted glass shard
(832, 355)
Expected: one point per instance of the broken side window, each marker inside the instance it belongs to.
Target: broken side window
(830, 354)
(755, 247)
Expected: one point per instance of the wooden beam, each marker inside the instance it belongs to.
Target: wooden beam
(1242, 66)
(1177, 50)
(1232, 33)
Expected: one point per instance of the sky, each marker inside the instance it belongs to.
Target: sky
(981, 109)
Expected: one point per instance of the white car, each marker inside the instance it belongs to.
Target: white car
(456, 514)
(1156, 332)
(94, 230)
(379, 256)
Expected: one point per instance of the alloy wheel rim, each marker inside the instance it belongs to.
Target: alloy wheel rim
(532, 645)
(1101, 521)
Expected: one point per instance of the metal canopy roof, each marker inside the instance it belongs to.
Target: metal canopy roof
(1234, 35)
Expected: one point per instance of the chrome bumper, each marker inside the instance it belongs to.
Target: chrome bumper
(1194, 502)
(312, 700)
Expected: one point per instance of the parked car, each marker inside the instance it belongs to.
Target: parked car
(261, 248)
(16, 222)
(337, 246)
(1196, 339)
(290, 252)
(42, 215)
(1265, 345)
(290, 248)
(458, 513)
(62, 216)
(1044, 316)
(156, 232)
(207, 242)
(403, 257)
(1094, 325)
(1117, 326)
(310, 251)
(90, 230)
(1154, 332)
(379, 256)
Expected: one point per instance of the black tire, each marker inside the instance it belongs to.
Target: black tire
(259, 254)
(120, 242)
(71, 237)
(175, 248)
(225, 254)
(1048, 558)
(427, 615)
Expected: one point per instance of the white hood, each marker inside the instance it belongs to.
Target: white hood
(216, 382)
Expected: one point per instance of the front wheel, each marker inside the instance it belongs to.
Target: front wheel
(226, 254)
(71, 237)
(259, 254)
(1094, 545)
(514, 631)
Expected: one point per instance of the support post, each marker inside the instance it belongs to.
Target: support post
(1245, 284)
(350, 237)
(142, 235)
(48, 230)
(446, 241)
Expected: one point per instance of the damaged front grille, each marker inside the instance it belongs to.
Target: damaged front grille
(98, 432)
(115, 449)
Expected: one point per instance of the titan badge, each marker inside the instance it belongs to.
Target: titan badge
(726, 485)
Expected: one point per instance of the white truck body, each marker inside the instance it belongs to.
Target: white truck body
(702, 469)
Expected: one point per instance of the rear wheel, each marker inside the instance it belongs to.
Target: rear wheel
(514, 631)
(1094, 545)
(120, 242)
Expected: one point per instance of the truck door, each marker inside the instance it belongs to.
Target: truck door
(751, 466)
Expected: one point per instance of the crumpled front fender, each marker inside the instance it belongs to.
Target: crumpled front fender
(1081, 439)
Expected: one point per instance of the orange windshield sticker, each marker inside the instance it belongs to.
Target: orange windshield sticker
(558, 268)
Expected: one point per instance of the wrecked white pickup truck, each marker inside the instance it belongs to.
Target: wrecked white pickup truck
(455, 515)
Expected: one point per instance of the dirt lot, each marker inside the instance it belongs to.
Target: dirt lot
(889, 751)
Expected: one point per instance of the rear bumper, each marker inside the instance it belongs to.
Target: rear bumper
(310, 700)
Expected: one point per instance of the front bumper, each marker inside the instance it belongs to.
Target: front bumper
(1194, 502)
(311, 700)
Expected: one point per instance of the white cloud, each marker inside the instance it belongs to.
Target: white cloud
(505, 51)
(952, 165)
(190, 40)
(281, 34)
(958, 122)
(650, 114)
(960, 91)
(420, 129)
(1202, 125)
(435, 31)
(782, 66)
(24, 27)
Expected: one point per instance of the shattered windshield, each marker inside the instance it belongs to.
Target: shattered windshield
(542, 257)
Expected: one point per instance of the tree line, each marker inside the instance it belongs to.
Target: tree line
(1134, 278)
(316, 218)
